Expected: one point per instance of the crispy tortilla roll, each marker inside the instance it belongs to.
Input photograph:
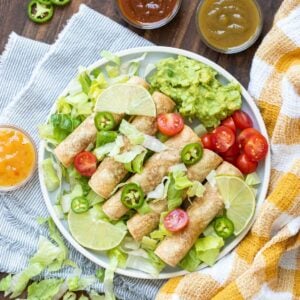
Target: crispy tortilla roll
(141, 225)
(154, 170)
(201, 213)
(78, 140)
(110, 172)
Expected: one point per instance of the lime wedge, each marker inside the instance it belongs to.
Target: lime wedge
(239, 200)
(126, 98)
(92, 232)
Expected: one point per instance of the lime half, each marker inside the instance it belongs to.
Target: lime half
(92, 232)
(126, 98)
(239, 200)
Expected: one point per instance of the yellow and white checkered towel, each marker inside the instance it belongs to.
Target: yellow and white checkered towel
(266, 264)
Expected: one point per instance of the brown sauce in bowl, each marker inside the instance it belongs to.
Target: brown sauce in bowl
(147, 11)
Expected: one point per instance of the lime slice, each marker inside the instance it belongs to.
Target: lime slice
(92, 232)
(126, 98)
(239, 200)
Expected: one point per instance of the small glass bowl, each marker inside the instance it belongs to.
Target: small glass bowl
(236, 49)
(153, 25)
(22, 183)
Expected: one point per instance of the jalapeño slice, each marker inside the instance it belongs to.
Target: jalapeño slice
(104, 121)
(223, 227)
(132, 196)
(39, 12)
(80, 205)
(191, 153)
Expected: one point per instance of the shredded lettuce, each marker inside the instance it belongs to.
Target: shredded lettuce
(94, 198)
(77, 283)
(110, 57)
(253, 179)
(153, 144)
(191, 261)
(134, 135)
(144, 209)
(95, 296)
(98, 85)
(174, 195)
(160, 233)
(197, 189)
(85, 82)
(5, 283)
(44, 290)
(208, 248)
(148, 243)
(109, 277)
(181, 181)
(129, 156)
(132, 66)
(46, 254)
(119, 255)
(136, 165)
(100, 274)
(51, 179)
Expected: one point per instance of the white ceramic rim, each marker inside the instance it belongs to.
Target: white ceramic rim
(260, 198)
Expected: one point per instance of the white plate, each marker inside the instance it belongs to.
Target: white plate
(155, 54)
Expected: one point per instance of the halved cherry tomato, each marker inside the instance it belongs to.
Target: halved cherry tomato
(170, 124)
(176, 220)
(206, 141)
(246, 165)
(230, 159)
(222, 138)
(234, 150)
(244, 136)
(256, 148)
(242, 120)
(229, 123)
(85, 163)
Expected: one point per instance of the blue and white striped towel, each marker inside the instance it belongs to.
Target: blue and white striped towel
(32, 75)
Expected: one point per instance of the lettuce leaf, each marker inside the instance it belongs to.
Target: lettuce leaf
(51, 179)
(5, 283)
(148, 243)
(119, 255)
(134, 135)
(208, 248)
(191, 261)
(109, 277)
(197, 189)
(44, 290)
(129, 156)
(253, 179)
(174, 195)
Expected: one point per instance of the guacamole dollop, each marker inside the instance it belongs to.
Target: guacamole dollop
(196, 90)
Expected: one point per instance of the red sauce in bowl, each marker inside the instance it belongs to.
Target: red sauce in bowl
(141, 12)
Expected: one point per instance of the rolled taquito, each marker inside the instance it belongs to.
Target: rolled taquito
(202, 211)
(155, 169)
(142, 225)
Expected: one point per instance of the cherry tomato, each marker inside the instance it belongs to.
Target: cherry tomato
(85, 163)
(206, 141)
(229, 123)
(170, 124)
(176, 220)
(234, 150)
(222, 138)
(230, 159)
(244, 136)
(246, 165)
(242, 120)
(256, 148)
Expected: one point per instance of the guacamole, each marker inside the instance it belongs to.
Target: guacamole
(196, 90)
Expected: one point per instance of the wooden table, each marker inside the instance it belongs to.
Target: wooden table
(180, 33)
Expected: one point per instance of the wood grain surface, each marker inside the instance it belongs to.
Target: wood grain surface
(180, 33)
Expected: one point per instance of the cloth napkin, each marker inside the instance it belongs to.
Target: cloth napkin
(32, 75)
(266, 264)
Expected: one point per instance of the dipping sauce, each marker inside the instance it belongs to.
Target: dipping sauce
(148, 13)
(17, 157)
(228, 24)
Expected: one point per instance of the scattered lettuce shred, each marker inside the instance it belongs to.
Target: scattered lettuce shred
(100, 274)
(44, 290)
(136, 165)
(134, 135)
(148, 243)
(253, 179)
(52, 180)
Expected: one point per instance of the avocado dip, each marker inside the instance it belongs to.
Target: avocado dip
(196, 90)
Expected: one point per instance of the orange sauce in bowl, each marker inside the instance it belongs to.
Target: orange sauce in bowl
(17, 157)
